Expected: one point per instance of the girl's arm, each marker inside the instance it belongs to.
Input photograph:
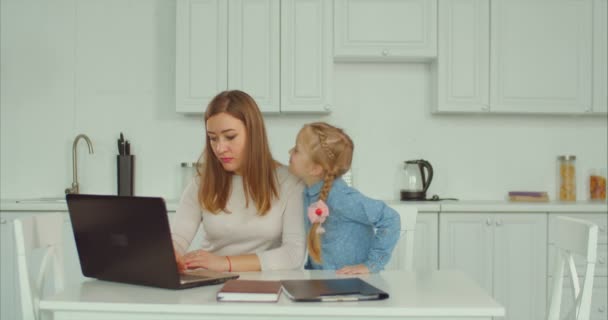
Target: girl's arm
(387, 223)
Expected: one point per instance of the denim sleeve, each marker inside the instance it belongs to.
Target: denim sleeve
(387, 223)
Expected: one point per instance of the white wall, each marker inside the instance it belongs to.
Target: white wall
(102, 67)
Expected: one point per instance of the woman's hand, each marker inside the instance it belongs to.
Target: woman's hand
(181, 267)
(203, 259)
(357, 269)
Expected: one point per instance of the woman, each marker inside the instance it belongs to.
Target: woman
(249, 205)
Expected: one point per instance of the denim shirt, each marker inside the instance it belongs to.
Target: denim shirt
(359, 230)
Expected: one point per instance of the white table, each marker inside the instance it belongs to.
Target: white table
(432, 295)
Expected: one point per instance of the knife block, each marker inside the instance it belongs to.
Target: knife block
(125, 166)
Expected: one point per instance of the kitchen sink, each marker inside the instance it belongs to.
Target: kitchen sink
(43, 200)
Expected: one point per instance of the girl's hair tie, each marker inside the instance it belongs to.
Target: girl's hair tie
(317, 213)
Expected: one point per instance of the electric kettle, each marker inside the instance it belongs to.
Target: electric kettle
(417, 177)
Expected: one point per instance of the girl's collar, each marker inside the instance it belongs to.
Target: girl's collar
(315, 189)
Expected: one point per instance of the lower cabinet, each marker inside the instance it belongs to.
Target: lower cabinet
(8, 292)
(504, 252)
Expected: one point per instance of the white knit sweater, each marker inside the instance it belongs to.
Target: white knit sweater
(277, 238)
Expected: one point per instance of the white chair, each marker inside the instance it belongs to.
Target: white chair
(403, 255)
(575, 237)
(35, 236)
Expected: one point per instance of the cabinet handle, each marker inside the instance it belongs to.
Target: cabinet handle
(488, 222)
(3, 221)
(385, 52)
(601, 260)
(601, 309)
(327, 107)
(602, 228)
(498, 223)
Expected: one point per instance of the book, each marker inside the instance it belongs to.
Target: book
(528, 196)
(250, 291)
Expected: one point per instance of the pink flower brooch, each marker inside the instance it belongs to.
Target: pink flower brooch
(317, 213)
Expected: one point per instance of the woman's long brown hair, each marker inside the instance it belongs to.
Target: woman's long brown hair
(258, 166)
(332, 149)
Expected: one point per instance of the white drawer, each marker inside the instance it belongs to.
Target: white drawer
(601, 267)
(601, 219)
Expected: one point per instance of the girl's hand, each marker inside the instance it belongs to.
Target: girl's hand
(357, 269)
(203, 259)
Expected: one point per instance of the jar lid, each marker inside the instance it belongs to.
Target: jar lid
(566, 157)
(188, 164)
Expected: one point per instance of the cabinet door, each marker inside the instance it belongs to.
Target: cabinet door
(541, 56)
(201, 52)
(520, 264)
(385, 30)
(462, 69)
(71, 262)
(8, 289)
(426, 243)
(466, 244)
(254, 50)
(306, 62)
(600, 57)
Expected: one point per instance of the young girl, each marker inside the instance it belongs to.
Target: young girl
(347, 231)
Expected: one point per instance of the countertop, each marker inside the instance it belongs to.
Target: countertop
(445, 206)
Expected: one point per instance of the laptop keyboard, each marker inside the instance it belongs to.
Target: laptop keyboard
(189, 278)
(195, 276)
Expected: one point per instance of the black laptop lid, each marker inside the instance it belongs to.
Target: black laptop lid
(124, 239)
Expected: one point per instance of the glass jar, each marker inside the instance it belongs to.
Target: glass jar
(597, 185)
(566, 177)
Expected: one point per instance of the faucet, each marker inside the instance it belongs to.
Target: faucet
(74, 188)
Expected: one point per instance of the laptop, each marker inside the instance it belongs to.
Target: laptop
(332, 290)
(128, 240)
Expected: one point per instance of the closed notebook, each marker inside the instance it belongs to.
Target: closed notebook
(250, 290)
(347, 289)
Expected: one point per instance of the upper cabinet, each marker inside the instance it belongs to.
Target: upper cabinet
(201, 53)
(462, 69)
(541, 56)
(521, 56)
(600, 57)
(385, 30)
(306, 60)
(278, 51)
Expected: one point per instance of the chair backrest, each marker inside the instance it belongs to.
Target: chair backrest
(400, 260)
(41, 233)
(575, 237)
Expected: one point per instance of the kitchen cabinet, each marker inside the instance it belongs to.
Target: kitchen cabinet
(600, 57)
(8, 296)
(540, 56)
(462, 69)
(599, 306)
(517, 56)
(278, 51)
(504, 252)
(385, 30)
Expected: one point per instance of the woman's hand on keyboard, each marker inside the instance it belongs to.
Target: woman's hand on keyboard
(203, 259)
